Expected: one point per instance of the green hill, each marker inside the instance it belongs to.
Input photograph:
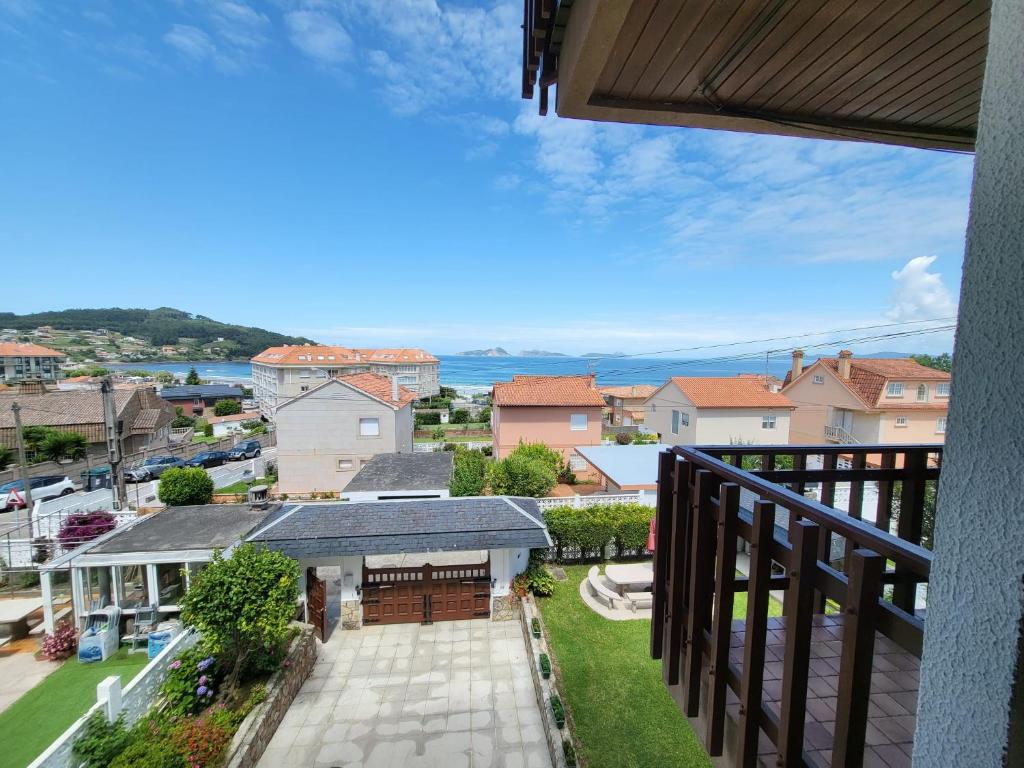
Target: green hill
(156, 326)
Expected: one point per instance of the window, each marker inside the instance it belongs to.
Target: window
(170, 578)
(922, 393)
(577, 463)
(407, 379)
(940, 425)
(133, 586)
(304, 388)
(369, 427)
(578, 422)
(818, 379)
(942, 389)
(901, 421)
(345, 465)
(684, 418)
(768, 421)
(895, 389)
(675, 422)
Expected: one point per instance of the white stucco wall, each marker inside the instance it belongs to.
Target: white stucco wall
(723, 426)
(506, 564)
(976, 596)
(658, 415)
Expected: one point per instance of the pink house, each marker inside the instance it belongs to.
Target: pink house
(560, 411)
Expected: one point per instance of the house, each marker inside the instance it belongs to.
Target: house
(327, 434)
(281, 373)
(145, 418)
(828, 72)
(560, 411)
(626, 404)
(226, 425)
(866, 400)
(718, 410)
(403, 476)
(23, 360)
(625, 468)
(167, 349)
(195, 399)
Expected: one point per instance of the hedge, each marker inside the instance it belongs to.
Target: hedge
(591, 529)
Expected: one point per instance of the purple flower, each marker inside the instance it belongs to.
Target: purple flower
(202, 690)
(176, 664)
(205, 664)
(209, 692)
(204, 680)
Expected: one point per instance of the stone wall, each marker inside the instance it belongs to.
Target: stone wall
(503, 607)
(259, 727)
(544, 689)
(351, 614)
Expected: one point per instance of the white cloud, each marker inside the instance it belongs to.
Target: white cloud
(239, 25)
(319, 36)
(919, 294)
(191, 42)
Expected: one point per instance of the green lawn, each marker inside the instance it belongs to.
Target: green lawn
(623, 715)
(204, 439)
(456, 427)
(455, 439)
(242, 486)
(45, 712)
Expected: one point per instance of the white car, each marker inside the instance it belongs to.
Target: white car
(12, 494)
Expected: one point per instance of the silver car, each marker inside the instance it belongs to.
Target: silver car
(152, 468)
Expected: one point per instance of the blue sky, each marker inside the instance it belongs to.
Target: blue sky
(365, 173)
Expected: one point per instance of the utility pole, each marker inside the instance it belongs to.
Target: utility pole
(26, 492)
(113, 434)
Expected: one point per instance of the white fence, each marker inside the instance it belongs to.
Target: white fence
(137, 697)
(581, 502)
(474, 445)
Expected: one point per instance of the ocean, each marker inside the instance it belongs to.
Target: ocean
(477, 374)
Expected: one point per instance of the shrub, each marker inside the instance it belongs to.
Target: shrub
(149, 753)
(558, 711)
(100, 741)
(207, 429)
(591, 529)
(62, 643)
(570, 753)
(450, 447)
(426, 419)
(540, 452)
(567, 476)
(535, 626)
(182, 486)
(193, 377)
(437, 434)
(227, 408)
(545, 666)
(623, 438)
(202, 740)
(535, 579)
(62, 445)
(487, 450)
(485, 415)
(258, 429)
(469, 474)
(6, 457)
(242, 605)
(460, 416)
(83, 527)
(182, 422)
(521, 475)
(644, 438)
(192, 681)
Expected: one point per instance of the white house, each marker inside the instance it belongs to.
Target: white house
(699, 410)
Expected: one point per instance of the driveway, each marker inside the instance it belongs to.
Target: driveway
(452, 695)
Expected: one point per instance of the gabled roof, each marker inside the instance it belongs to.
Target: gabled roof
(188, 391)
(729, 392)
(370, 384)
(869, 377)
(326, 356)
(405, 472)
(629, 391)
(555, 391)
(243, 416)
(60, 407)
(27, 349)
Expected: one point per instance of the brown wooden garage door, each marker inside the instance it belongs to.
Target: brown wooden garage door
(427, 594)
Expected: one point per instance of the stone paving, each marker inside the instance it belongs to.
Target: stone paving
(452, 695)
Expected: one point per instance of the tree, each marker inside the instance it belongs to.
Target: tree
(181, 421)
(63, 445)
(941, 362)
(165, 377)
(6, 457)
(227, 408)
(460, 416)
(521, 475)
(193, 377)
(182, 486)
(542, 453)
(207, 429)
(485, 415)
(242, 605)
(448, 392)
(470, 473)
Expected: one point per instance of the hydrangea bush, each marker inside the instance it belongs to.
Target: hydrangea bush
(62, 644)
(83, 527)
(191, 683)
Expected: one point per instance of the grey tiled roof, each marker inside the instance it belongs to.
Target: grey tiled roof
(405, 472)
(416, 525)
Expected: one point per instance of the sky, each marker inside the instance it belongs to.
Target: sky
(366, 173)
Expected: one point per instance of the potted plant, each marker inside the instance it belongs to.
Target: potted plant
(569, 751)
(558, 711)
(535, 624)
(545, 666)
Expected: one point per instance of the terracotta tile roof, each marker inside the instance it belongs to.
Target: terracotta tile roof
(629, 391)
(325, 356)
(244, 416)
(85, 406)
(729, 392)
(23, 349)
(379, 387)
(565, 391)
(869, 376)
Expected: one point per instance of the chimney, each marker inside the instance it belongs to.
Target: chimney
(798, 364)
(394, 388)
(845, 364)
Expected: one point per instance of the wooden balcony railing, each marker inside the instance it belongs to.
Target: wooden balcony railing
(803, 689)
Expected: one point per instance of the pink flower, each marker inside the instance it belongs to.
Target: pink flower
(176, 664)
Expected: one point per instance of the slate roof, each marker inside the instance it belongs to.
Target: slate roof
(209, 526)
(729, 392)
(405, 472)
(564, 391)
(416, 525)
(188, 391)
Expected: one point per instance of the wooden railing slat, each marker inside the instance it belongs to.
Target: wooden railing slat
(674, 607)
(701, 587)
(662, 535)
(721, 631)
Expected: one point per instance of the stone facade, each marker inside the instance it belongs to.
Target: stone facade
(259, 727)
(351, 614)
(503, 608)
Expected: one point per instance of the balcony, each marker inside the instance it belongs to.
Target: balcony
(836, 434)
(834, 681)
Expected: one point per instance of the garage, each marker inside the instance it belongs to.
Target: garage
(426, 594)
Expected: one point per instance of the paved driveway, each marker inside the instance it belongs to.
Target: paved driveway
(453, 695)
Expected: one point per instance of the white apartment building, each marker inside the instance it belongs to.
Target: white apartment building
(20, 361)
(281, 373)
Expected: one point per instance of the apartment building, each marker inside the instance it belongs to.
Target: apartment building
(24, 360)
(711, 410)
(626, 404)
(867, 401)
(281, 373)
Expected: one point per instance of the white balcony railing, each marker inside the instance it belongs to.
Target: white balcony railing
(836, 434)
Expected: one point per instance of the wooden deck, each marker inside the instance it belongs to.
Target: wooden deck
(893, 699)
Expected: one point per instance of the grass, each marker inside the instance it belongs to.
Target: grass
(454, 439)
(205, 439)
(456, 427)
(622, 712)
(243, 486)
(46, 711)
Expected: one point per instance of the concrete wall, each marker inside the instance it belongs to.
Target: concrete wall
(712, 426)
(314, 433)
(971, 709)
(543, 425)
(658, 416)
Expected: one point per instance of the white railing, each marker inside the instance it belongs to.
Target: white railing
(437, 446)
(838, 435)
(581, 502)
(136, 698)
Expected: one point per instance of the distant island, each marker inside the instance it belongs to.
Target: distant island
(541, 353)
(603, 354)
(492, 352)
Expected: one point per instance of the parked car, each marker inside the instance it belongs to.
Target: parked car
(208, 459)
(12, 494)
(152, 468)
(247, 449)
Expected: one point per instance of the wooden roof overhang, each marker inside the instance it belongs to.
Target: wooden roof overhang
(906, 72)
